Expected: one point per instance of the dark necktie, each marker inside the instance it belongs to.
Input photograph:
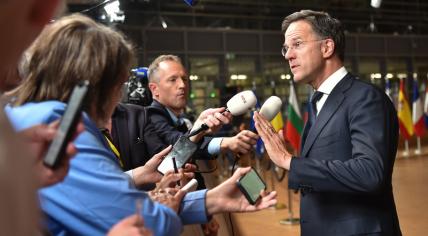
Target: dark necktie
(312, 114)
(182, 127)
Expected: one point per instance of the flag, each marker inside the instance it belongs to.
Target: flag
(388, 89)
(404, 115)
(417, 113)
(260, 148)
(294, 126)
(426, 105)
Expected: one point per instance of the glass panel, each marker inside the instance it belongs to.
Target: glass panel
(204, 74)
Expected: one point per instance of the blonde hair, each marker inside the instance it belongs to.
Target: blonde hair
(72, 49)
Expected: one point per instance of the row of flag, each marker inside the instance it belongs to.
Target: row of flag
(411, 121)
(414, 121)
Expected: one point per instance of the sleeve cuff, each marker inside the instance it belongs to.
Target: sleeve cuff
(192, 209)
(214, 146)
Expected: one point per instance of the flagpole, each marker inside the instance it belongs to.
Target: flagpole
(418, 147)
(290, 220)
(406, 148)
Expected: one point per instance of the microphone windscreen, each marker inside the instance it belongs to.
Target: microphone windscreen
(241, 102)
(271, 107)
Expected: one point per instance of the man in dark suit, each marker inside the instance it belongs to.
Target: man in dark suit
(169, 85)
(349, 143)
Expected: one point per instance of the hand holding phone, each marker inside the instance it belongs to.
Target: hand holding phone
(182, 150)
(251, 184)
(67, 125)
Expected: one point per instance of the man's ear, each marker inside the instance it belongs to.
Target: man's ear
(154, 89)
(328, 48)
(42, 11)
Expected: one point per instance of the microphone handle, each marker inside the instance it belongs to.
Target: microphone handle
(197, 131)
(203, 127)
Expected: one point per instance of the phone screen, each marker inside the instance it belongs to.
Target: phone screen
(251, 184)
(182, 150)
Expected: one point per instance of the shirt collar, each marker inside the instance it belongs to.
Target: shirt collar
(175, 119)
(328, 85)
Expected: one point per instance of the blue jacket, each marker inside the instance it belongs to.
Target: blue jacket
(96, 193)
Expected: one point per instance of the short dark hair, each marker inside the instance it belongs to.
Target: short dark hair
(154, 66)
(323, 25)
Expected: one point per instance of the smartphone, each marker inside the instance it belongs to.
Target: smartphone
(67, 125)
(251, 184)
(182, 150)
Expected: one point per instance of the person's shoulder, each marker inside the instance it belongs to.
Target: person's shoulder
(362, 87)
(33, 113)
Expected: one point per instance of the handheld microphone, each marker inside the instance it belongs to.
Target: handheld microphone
(237, 105)
(271, 107)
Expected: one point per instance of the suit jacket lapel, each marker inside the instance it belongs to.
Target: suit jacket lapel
(158, 106)
(331, 105)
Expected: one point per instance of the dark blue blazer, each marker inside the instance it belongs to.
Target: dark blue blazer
(161, 131)
(345, 168)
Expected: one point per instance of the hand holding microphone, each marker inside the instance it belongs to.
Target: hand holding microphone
(243, 142)
(237, 105)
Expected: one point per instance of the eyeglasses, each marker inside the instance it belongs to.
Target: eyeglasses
(296, 45)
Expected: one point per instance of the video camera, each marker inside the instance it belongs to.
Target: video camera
(137, 88)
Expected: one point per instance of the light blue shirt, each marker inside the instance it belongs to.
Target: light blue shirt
(214, 145)
(96, 193)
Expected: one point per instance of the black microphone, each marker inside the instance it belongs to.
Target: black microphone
(237, 105)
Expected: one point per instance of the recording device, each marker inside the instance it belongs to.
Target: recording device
(191, 2)
(137, 88)
(271, 107)
(237, 105)
(251, 184)
(190, 186)
(67, 125)
(182, 150)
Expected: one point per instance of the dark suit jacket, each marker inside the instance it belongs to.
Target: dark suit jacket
(345, 168)
(161, 131)
(128, 122)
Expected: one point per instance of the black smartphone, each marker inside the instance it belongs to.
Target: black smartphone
(67, 125)
(182, 150)
(251, 184)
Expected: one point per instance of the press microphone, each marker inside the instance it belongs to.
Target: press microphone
(271, 107)
(237, 105)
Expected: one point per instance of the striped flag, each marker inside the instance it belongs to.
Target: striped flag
(426, 105)
(417, 112)
(404, 115)
(294, 126)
